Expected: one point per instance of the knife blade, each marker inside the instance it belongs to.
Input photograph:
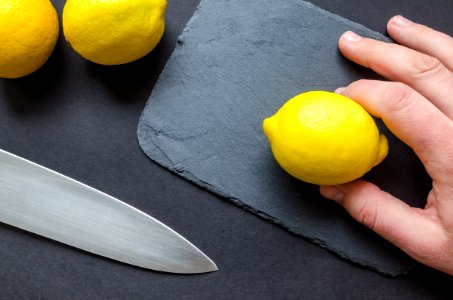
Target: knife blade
(37, 199)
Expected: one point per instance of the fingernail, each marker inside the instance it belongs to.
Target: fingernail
(332, 192)
(340, 90)
(401, 21)
(351, 36)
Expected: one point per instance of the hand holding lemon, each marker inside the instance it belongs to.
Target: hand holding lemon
(416, 106)
(324, 138)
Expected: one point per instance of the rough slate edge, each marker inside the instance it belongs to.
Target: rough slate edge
(403, 268)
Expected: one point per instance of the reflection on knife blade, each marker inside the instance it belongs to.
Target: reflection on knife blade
(47, 203)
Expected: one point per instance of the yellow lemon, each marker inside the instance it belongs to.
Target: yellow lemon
(28, 34)
(325, 138)
(113, 32)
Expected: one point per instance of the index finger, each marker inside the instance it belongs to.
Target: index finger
(412, 118)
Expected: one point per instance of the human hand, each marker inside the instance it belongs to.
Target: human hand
(417, 106)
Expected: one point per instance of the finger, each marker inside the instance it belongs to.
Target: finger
(410, 229)
(422, 39)
(424, 73)
(412, 118)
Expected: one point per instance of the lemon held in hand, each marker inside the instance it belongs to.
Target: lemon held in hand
(324, 138)
(113, 32)
(28, 35)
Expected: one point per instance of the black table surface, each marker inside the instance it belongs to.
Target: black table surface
(80, 119)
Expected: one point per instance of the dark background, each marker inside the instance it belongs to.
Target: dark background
(80, 119)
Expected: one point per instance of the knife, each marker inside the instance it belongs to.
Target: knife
(50, 204)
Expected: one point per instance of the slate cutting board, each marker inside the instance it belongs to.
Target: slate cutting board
(236, 63)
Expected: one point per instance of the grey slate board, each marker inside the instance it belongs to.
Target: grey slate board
(236, 63)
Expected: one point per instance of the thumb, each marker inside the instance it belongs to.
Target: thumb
(407, 227)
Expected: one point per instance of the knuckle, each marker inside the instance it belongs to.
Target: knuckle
(367, 215)
(426, 66)
(400, 97)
